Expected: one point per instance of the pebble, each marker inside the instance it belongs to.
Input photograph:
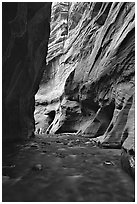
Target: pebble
(6, 167)
(108, 163)
(34, 145)
(62, 149)
(58, 141)
(37, 167)
(5, 179)
(73, 156)
(87, 142)
(70, 143)
(74, 177)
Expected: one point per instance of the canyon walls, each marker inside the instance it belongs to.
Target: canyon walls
(26, 29)
(88, 86)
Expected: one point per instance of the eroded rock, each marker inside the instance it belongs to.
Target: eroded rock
(91, 67)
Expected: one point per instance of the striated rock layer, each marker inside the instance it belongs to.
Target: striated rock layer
(26, 32)
(88, 86)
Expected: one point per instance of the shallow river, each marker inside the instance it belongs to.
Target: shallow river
(65, 168)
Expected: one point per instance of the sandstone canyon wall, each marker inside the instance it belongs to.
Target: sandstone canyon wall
(88, 85)
(26, 29)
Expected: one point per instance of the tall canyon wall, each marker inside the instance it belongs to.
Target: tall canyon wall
(88, 85)
(26, 29)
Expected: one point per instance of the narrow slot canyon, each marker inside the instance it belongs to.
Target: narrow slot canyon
(68, 101)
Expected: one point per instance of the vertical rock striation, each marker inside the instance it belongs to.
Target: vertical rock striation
(89, 81)
(26, 29)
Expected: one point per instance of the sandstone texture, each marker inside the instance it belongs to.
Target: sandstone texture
(26, 29)
(88, 85)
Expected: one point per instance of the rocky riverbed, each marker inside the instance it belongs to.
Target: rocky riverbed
(64, 167)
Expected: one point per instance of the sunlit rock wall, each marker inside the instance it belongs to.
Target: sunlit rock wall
(88, 85)
(26, 29)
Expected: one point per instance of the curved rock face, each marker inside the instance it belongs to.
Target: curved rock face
(26, 30)
(89, 82)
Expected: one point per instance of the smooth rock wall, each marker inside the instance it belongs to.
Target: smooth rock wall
(26, 29)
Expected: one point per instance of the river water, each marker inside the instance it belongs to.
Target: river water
(64, 168)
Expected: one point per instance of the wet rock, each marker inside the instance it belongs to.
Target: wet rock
(73, 156)
(87, 142)
(35, 145)
(128, 162)
(108, 163)
(37, 167)
(128, 146)
(70, 144)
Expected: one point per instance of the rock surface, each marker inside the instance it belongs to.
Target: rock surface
(87, 87)
(26, 32)
(89, 82)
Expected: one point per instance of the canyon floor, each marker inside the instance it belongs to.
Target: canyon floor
(64, 167)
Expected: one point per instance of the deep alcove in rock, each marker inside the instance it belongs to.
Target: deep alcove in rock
(68, 101)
